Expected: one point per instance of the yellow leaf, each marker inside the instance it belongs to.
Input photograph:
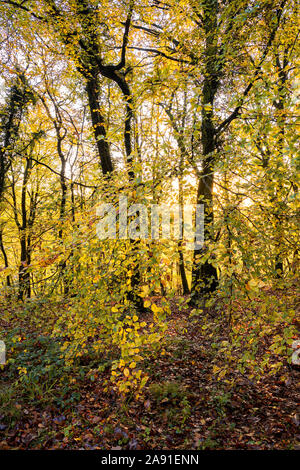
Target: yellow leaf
(154, 308)
(222, 374)
(144, 291)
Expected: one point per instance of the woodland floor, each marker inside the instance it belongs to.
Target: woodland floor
(186, 409)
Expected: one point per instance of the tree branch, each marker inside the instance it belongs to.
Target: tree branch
(122, 62)
(23, 7)
(245, 93)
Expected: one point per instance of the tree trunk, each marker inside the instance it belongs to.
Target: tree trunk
(98, 122)
(185, 285)
(280, 105)
(204, 275)
(24, 276)
(8, 282)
